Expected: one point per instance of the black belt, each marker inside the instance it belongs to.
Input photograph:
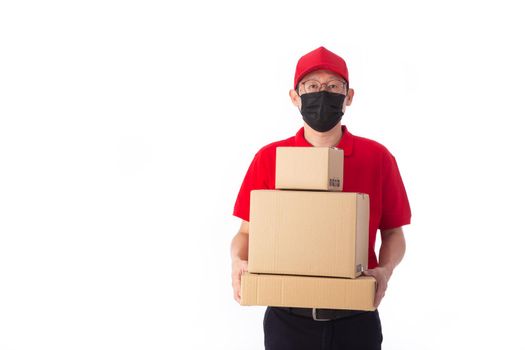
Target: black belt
(321, 314)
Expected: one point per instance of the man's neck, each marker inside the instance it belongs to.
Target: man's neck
(330, 138)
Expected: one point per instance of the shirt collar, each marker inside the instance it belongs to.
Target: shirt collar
(346, 143)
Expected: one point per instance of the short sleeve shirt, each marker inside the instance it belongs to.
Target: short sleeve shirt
(368, 168)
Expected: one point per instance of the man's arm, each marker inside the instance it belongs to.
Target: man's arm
(239, 255)
(390, 255)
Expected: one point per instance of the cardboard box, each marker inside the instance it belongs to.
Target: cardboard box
(304, 291)
(308, 233)
(309, 168)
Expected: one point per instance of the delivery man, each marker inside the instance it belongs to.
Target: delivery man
(321, 92)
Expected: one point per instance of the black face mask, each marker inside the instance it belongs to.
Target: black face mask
(322, 110)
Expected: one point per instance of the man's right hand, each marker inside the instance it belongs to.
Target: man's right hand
(238, 268)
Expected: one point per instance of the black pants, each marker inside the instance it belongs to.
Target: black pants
(285, 331)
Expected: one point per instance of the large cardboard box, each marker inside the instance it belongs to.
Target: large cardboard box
(309, 168)
(308, 233)
(305, 291)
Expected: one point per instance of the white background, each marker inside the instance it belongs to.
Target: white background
(126, 128)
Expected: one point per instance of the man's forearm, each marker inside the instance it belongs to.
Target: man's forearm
(239, 246)
(392, 248)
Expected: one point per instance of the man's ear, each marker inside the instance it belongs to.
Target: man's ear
(296, 99)
(349, 97)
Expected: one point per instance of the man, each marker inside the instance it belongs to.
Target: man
(321, 93)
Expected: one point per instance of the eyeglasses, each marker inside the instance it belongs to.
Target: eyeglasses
(336, 86)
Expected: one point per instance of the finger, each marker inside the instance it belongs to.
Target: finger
(380, 292)
(370, 273)
(381, 289)
(235, 274)
(378, 298)
(239, 295)
(236, 283)
(236, 297)
(237, 289)
(244, 267)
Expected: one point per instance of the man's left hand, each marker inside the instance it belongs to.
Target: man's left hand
(382, 275)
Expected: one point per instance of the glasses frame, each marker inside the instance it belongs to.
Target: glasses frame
(321, 85)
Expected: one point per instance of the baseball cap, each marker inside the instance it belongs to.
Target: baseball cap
(320, 58)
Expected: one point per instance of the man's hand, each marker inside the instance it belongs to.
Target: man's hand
(390, 254)
(238, 268)
(382, 275)
(239, 254)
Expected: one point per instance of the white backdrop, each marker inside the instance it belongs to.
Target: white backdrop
(126, 128)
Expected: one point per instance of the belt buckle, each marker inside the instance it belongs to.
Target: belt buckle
(314, 315)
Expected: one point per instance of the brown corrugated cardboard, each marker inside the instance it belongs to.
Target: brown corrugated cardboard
(309, 168)
(308, 233)
(305, 291)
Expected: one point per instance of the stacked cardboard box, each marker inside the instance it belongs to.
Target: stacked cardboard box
(308, 241)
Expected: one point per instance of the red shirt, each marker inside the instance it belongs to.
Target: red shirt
(368, 168)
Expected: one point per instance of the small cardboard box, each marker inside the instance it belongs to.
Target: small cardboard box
(309, 168)
(310, 292)
(308, 233)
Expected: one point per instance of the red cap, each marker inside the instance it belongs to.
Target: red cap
(320, 58)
